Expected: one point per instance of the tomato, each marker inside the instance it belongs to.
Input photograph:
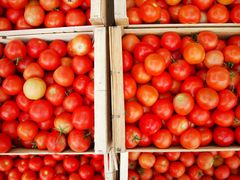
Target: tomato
(194, 53)
(232, 162)
(59, 46)
(203, 4)
(199, 116)
(97, 164)
(237, 134)
(14, 174)
(164, 17)
(207, 98)
(147, 95)
(5, 24)
(161, 164)
(6, 163)
(7, 67)
(129, 42)
(208, 40)
(152, 40)
(205, 160)
(172, 2)
(166, 54)
(130, 86)
(218, 78)
(33, 70)
(75, 17)
(222, 172)
(46, 173)
(81, 64)
(139, 74)
(17, 4)
(127, 61)
(35, 163)
(72, 101)
(35, 46)
(9, 111)
(176, 169)
(171, 41)
(14, 14)
(179, 70)
(223, 136)
(86, 172)
(206, 136)
(50, 5)
(134, 15)
(83, 118)
(29, 175)
(70, 164)
(234, 14)
(133, 136)
(12, 85)
(177, 124)
(49, 59)
(55, 94)
(163, 108)
(3, 95)
(34, 14)
(191, 85)
(73, 3)
(41, 140)
(22, 24)
(189, 14)
(187, 158)
(10, 128)
(34, 88)
(146, 160)
(224, 119)
(149, 12)
(80, 45)
(195, 173)
(218, 13)
(22, 165)
(15, 50)
(213, 58)
(142, 50)
(27, 130)
(80, 83)
(149, 124)
(49, 161)
(54, 19)
(231, 54)
(133, 111)
(79, 141)
(56, 142)
(162, 139)
(63, 123)
(183, 103)
(40, 110)
(154, 64)
(63, 76)
(190, 139)
(175, 86)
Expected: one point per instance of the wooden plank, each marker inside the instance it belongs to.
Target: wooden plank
(118, 116)
(98, 12)
(124, 166)
(120, 12)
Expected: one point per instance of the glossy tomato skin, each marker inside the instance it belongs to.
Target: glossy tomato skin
(189, 14)
(49, 59)
(177, 124)
(56, 142)
(190, 139)
(55, 94)
(9, 111)
(15, 49)
(134, 111)
(10, 128)
(162, 139)
(171, 41)
(234, 14)
(6, 143)
(133, 136)
(83, 118)
(149, 12)
(191, 85)
(7, 67)
(23, 102)
(162, 82)
(163, 108)
(223, 136)
(179, 70)
(12, 85)
(183, 103)
(199, 116)
(142, 50)
(221, 17)
(27, 130)
(207, 98)
(35, 46)
(149, 124)
(79, 141)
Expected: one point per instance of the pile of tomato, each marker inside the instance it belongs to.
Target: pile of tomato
(26, 14)
(181, 90)
(52, 167)
(47, 94)
(184, 166)
(183, 11)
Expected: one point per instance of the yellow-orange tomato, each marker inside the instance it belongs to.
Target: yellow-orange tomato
(146, 160)
(147, 95)
(154, 64)
(172, 2)
(133, 156)
(34, 88)
(225, 2)
(194, 53)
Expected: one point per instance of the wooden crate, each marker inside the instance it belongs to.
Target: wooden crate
(98, 12)
(118, 112)
(121, 19)
(102, 122)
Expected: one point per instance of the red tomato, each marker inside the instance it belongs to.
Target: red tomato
(176, 169)
(139, 74)
(81, 64)
(55, 94)
(50, 5)
(177, 124)
(222, 172)
(59, 46)
(14, 14)
(40, 110)
(22, 24)
(14, 174)
(154, 64)
(161, 164)
(208, 40)
(190, 139)
(22, 65)
(162, 139)
(237, 134)
(23, 102)
(6, 163)
(194, 53)
(206, 136)
(54, 19)
(83, 118)
(134, 15)
(46, 173)
(34, 14)
(147, 95)
(149, 124)
(63, 123)
(33, 70)
(133, 111)
(171, 41)
(17, 4)
(56, 142)
(163, 82)
(152, 40)
(27, 130)
(142, 50)
(63, 76)
(189, 14)
(73, 3)
(80, 84)
(146, 160)
(166, 54)
(7, 67)
(9, 111)
(205, 160)
(214, 58)
(164, 17)
(49, 59)
(15, 50)
(75, 17)
(149, 12)
(5, 144)
(223, 136)
(80, 45)
(86, 172)
(232, 162)
(79, 141)
(70, 164)
(199, 116)
(35, 163)
(207, 98)
(195, 173)
(187, 158)
(41, 140)
(163, 108)
(183, 103)
(218, 13)
(133, 136)
(231, 54)
(5, 24)
(10, 128)
(179, 70)
(191, 85)
(129, 42)
(127, 61)
(12, 85)
(203, 4)
(35, 46)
